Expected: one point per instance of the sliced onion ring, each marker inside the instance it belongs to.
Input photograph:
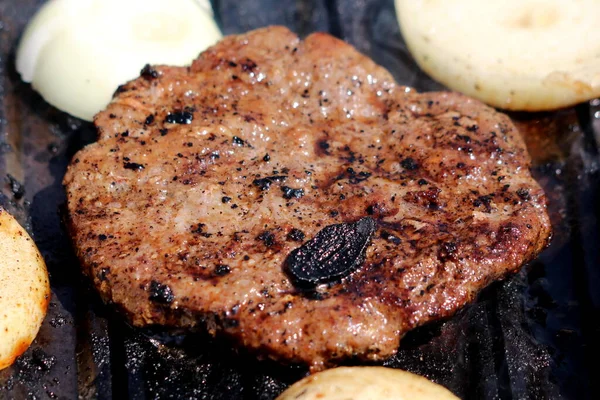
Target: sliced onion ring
(75, 53)
(529, 55)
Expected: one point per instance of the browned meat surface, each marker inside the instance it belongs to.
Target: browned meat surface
(205, 179)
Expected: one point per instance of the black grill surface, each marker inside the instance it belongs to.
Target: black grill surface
(533, 336)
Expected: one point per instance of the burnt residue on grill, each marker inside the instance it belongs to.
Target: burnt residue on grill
(16, 187)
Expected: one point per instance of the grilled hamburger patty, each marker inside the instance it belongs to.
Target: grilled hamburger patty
(212, 189)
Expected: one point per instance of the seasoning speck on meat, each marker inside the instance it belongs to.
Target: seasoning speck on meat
(309, 194)
(179, 117)
(160, 293)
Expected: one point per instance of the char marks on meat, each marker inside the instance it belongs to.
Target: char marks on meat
(260, 146)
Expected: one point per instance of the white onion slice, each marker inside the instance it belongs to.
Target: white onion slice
(515, 54)
(76, 52)
(366, 383)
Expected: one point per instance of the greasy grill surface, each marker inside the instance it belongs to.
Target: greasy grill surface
(533, 336)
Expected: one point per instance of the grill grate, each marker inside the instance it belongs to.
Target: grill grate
(532, 336)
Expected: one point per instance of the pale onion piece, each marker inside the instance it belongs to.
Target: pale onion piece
(24, 289)
(527, 55)
(366, 383)
(76, 53)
